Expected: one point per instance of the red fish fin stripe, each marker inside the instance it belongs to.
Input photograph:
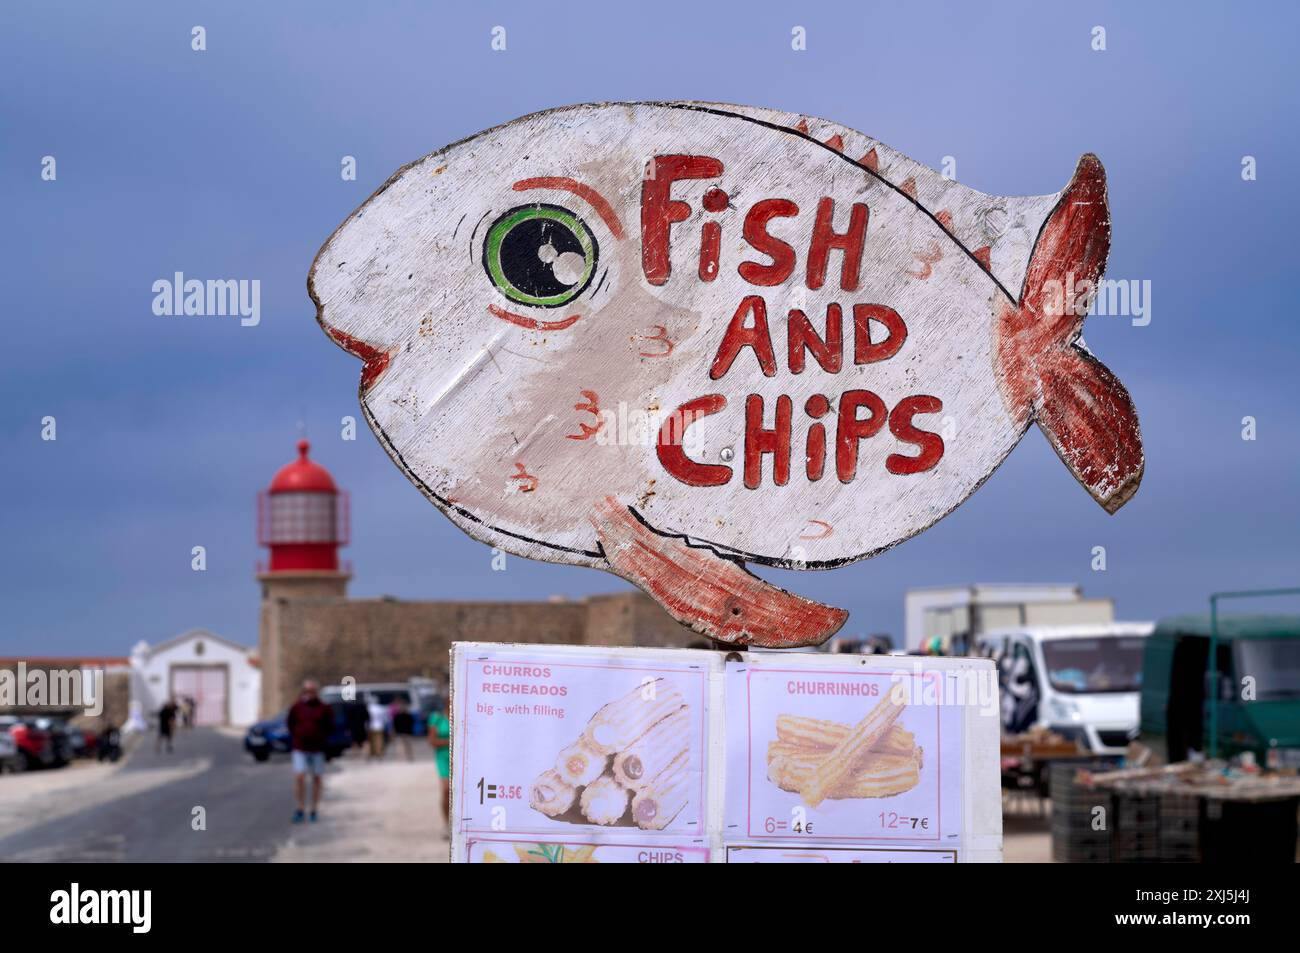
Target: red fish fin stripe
(713, 596)
(374, 361)
(1089, 419)
(1044, 373)
(1074, 242)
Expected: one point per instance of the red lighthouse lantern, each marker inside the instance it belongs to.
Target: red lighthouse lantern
(303, 518)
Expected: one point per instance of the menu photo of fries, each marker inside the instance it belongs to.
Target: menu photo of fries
(821, 760)
(532, 853)
(631, 766)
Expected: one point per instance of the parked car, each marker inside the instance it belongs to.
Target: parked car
(420, 695)
(1177, 694)
(60, 738)
(90, 739)
(11, 759)
(272, 736)
(41, 742)
(1081, 681)
(78, 745)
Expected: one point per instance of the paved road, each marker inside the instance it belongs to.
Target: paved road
(248, 806)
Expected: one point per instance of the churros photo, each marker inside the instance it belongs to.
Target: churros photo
(820, 759)
(631, 766)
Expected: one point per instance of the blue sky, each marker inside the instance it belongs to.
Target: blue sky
(225, 163)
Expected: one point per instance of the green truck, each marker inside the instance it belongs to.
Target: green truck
(1252, 691)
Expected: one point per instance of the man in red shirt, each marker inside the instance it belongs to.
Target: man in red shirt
(310, 723)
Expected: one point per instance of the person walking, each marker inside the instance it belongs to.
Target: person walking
(378, 726)
(440, 741)
(166, 724)
(403, 726)
(310, 723)
(358, 719)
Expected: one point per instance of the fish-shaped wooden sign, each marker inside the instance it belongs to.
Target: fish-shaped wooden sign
(669, 339)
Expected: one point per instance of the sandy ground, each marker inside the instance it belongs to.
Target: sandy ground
(374, 811)
(371, 811)
(1026, 836)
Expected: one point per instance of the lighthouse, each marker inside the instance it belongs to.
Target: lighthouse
(302, 519)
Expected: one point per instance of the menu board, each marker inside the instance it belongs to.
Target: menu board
(606, 744)
(849, 754)
(585, 754)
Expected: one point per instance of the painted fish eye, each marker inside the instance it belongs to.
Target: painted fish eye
(541, 255)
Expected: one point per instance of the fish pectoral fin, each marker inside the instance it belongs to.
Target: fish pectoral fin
(714, 596)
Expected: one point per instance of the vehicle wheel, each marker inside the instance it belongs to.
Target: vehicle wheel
(262, 754)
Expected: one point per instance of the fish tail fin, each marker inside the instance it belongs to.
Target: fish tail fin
(1045, 371)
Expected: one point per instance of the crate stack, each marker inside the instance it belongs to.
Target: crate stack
(1136, 837)
(1074, 800)
(1180, 828)
(1201, 812)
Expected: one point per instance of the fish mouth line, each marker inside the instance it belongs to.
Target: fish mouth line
(532, 324)
(374, 361)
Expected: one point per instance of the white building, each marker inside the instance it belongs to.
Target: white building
(963, 612)
(221, 676)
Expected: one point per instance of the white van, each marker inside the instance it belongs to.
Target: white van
(1081, 681)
